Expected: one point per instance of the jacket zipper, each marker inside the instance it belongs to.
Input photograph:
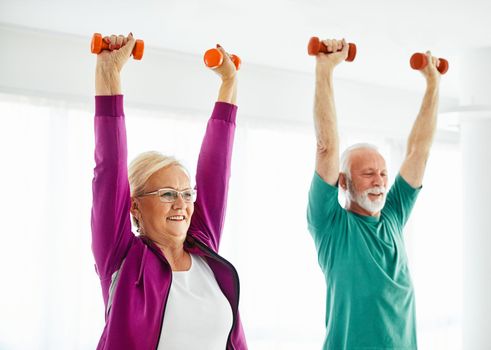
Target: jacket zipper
(163, 312)
(236, 280)
(161, 257)
(217, 257)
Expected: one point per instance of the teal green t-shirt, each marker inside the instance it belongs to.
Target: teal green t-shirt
(370, 297)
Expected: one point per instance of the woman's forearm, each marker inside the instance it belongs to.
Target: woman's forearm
(107, 82)
(228, 91)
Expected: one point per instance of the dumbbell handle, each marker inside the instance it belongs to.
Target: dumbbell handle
(316, 45)
(420, 61)
(98, 45)
(214, 58)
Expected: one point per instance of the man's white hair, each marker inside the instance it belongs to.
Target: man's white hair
(345, 162)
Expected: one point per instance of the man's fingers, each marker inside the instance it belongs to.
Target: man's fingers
(328, 43)
(345, 46)
(432, 59)
(334, 45)
(428, 55)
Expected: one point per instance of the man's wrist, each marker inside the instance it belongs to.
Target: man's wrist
(432, 84)
(324, 73)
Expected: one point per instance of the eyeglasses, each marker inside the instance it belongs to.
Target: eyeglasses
(169, 195)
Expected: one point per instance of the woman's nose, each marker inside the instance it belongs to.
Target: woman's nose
(179, 203)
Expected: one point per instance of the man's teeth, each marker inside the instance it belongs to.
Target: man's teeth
(176, 218)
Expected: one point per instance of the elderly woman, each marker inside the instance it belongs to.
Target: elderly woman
(166, 288)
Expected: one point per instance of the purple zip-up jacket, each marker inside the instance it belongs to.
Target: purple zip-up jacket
(141, 275)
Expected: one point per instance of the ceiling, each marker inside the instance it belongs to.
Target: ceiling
(275, 33)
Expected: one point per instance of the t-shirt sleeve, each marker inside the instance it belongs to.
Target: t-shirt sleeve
(323, 210)
(400, 201)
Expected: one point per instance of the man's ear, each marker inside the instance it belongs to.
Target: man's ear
(342, 181)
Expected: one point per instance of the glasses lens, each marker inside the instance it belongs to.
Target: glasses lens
(189, 196)
(168, 196)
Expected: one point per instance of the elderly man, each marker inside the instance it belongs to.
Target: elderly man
(370, 298)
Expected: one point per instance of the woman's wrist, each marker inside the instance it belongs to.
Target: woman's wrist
(107, 82)
(228, 91)
(229, 79)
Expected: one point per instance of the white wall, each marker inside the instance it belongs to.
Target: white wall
(61, 65)
(274, 147)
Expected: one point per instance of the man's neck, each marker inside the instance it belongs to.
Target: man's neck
(357, 209)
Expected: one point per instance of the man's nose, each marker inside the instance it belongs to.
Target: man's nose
(378, 180)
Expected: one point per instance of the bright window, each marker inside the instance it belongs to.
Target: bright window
(50, 296)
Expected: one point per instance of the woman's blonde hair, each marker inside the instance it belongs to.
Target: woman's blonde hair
(144, 166)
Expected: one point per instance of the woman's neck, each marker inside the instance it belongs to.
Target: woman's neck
(177, 257)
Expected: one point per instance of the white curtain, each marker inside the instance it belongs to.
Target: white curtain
(50, 297)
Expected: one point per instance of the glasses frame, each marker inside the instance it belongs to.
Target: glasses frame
(169, 189)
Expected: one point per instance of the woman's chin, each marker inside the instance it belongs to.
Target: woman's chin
(177, 232)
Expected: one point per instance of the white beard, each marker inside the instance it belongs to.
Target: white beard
(362, 199)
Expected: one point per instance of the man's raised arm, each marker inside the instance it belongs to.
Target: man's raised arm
(423, 131)
(327, 158)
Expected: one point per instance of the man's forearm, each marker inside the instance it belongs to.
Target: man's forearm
(325, 115)
(326, 129)
(421, 137)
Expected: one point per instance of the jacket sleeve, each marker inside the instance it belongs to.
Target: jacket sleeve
(212, 175)
(111, 225)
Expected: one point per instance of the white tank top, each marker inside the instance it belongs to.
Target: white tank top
(197, 315)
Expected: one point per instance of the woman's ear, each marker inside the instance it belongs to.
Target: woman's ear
(135, 209)
(136, 214)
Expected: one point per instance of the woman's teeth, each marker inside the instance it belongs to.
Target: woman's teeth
(176, 218)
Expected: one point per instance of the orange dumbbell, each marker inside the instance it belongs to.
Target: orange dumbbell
(97, 45)
(213, 58)
(419, 61)
(316, 46)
